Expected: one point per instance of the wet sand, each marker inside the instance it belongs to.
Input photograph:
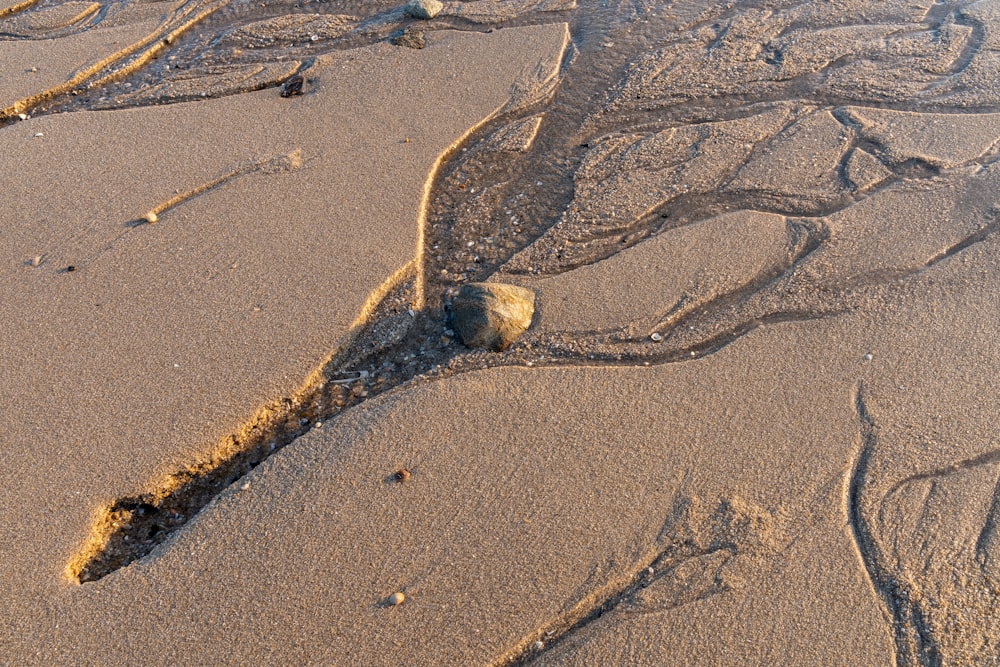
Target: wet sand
(752, 423)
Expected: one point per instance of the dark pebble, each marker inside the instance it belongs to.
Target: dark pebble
(293, 86)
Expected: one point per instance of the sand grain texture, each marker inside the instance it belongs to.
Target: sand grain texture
(54, 60)
(167, 337)
(753, 420)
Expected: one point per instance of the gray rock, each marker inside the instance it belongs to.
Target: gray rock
(492, 315)
(423, 9)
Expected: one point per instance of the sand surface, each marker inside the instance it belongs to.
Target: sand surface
(31, 66)
(754, 421)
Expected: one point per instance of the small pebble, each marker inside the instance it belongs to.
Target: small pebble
(22, 116)
(35, 261)
(413, 39)
(150, 217)
(293, 86)
(869, 357)
(71, 268)
(538, 645)
(656, 337)
(396, 599)
(402, 475)
(39, 134)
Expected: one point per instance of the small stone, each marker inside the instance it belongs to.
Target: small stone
(492, 315)
(396, 599)
(150, 217)
(538, 645)
(869, 357)
(423, 9)
(413, 39)
(293, 86)
(70, 268)
(656, 337)
(39, 134)
(35, 261)
(22, 116)
(402, 475)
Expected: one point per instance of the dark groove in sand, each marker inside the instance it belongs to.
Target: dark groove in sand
(988, 458)
(990, 529)
(915, 645)
(733, 324)
(124, 61)
(132, 527)
(606, 600)
(973, 46)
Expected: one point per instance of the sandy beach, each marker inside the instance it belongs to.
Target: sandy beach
(753, 418)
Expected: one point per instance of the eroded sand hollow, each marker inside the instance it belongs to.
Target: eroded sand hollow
(753, 422)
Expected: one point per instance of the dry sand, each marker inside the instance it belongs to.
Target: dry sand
(753, 423)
